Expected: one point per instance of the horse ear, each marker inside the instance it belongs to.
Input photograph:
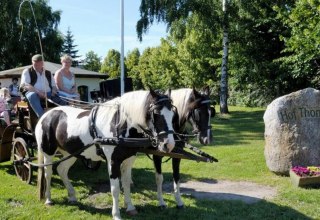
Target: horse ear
(152, 93)
(169, 92)
(206, 90)
(195, 92)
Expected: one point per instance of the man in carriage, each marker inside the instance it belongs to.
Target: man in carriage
(37, 84)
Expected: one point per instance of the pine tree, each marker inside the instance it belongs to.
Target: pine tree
(69, 47)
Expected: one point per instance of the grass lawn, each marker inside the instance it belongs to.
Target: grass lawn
(238, 144)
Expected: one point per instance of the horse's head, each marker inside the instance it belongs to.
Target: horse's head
(200, 113)
(160, 115)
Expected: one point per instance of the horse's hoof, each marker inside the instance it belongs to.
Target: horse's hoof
(162, 207)
(132, 212)
(49, 203)
(180, 207)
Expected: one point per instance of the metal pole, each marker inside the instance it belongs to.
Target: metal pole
(122, 47)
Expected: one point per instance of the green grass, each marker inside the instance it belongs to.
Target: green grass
(238, 144)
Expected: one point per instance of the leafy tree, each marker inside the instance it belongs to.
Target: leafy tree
(301, 56)
(198, 59)
(132, 64)
(145, 69)
(19, 40)
(158, 68)
(207, 12)
(92, 62)
(255, 46)
(111, 64)
(69, 47)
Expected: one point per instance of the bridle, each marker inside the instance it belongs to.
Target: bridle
(153, 111)
(194, 116)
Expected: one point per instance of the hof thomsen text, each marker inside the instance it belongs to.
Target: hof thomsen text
(288, 115)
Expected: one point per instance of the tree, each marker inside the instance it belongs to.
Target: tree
(132, 64)
(197, 53)
(256, 77)
(92, 62)
(69, 47)
(157, 67)
(208, 12)
(111, 64)
(301, 56)
(19, 40)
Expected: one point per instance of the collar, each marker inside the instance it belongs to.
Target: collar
(92, 122)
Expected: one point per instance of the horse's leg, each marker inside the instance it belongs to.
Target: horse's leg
(126, 168)
(176, 180)
(157, 161)
(63, 169)
(114, 181)
(48, 174)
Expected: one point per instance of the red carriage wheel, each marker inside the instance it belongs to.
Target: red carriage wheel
(20, 157)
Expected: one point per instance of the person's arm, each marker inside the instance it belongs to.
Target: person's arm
(74, 88)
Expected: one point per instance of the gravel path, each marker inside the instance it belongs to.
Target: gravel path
(247, 192)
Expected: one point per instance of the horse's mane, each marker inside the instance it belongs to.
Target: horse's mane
(181, 98)
(133, 108)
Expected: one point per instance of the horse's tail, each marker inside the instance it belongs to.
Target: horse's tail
(41, 177)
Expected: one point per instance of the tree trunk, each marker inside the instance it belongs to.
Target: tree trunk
(224, 68)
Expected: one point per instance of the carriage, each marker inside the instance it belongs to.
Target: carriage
(17, 141)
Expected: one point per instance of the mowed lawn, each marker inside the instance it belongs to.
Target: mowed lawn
(238, 144)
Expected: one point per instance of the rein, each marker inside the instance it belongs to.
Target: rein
(78, 152)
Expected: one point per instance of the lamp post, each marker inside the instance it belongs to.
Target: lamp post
(122, 47)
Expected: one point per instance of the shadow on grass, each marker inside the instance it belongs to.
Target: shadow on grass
(220, 210)
(144, 190)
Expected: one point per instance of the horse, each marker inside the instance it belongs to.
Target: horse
(70, 130)
(194, 107)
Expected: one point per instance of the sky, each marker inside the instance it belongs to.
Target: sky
(95, 25)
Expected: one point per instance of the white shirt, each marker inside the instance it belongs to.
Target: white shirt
(41, 84)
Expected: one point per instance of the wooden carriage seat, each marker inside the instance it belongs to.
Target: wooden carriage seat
(27, 117)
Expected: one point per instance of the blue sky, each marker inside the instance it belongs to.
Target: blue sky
(95, 25)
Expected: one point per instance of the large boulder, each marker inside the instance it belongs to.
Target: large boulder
(292, 131)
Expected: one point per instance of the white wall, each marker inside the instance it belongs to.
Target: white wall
(92, 83)
(7, 82)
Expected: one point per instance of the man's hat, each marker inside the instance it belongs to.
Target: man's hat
(37, 57)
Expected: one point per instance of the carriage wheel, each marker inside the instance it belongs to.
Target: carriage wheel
(90, 164)
(20, 157)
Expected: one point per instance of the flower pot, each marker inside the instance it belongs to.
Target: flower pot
(305, 181)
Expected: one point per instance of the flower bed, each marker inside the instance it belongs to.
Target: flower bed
(305, 176)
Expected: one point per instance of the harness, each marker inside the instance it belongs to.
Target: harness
(150, 140)
(164, 101)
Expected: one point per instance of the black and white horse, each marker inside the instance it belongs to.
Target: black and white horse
(67, 129)
(194, 107)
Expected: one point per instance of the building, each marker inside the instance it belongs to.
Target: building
(86, 80)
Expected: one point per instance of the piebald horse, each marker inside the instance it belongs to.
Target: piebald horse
(193, 107)
(67, 129)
